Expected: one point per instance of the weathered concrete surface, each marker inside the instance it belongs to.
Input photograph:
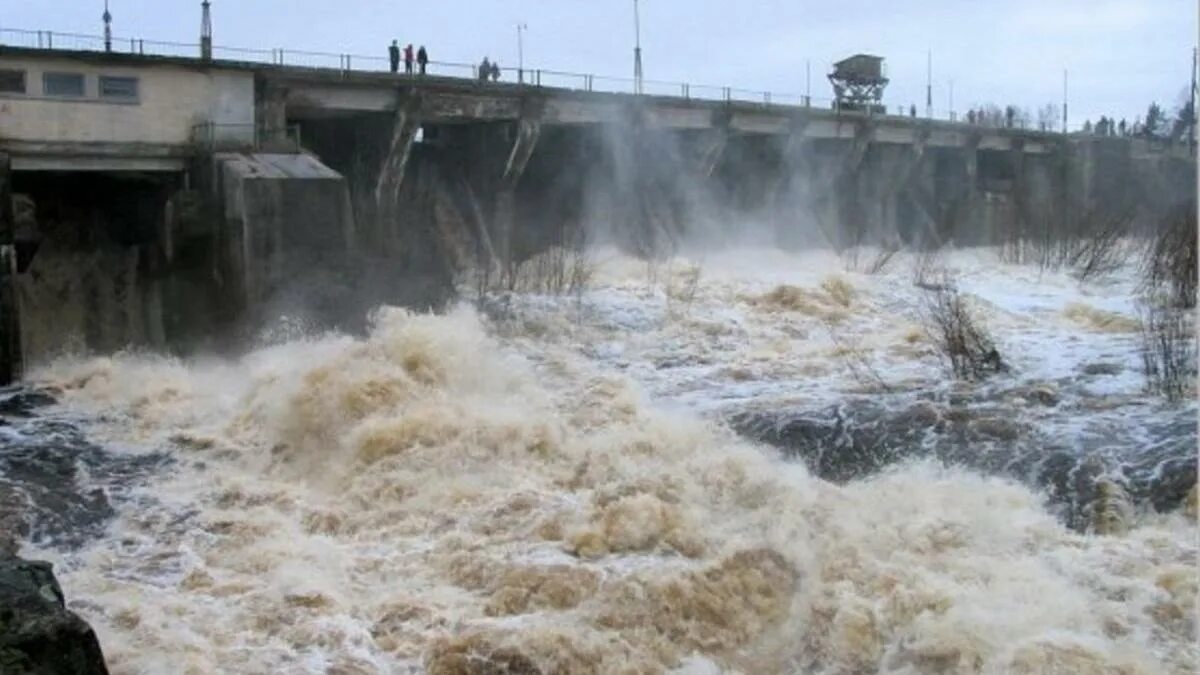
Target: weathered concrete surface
(283, 215)
(10, 317)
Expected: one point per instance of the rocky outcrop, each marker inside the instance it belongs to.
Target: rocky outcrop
(38, 634)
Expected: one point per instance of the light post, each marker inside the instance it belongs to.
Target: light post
(637, 49)
(521, 28)
(107, 17)
(205, 31)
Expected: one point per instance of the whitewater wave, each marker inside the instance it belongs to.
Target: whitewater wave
(446, 497)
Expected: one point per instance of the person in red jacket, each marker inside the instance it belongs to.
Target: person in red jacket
(408, 59)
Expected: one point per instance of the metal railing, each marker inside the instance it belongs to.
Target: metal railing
(349, 62)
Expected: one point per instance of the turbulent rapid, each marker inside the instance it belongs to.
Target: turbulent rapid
(747, 462)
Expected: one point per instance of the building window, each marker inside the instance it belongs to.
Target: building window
(12, 82)
(68, 85)
(119, 88)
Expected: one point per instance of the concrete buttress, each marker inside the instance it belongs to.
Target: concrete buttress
(10, 327)
(391, 174)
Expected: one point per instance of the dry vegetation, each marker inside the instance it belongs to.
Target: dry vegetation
(1168, 338)
(961, 339)
(1168, 351)
(1089, 243)
(1170, 263)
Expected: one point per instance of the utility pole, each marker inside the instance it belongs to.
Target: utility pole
(205, 31)
(521, 28)
(107, 17)
(951, 109)
(929, 85)
(637, 49)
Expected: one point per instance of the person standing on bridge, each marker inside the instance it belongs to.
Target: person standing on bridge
(495, 71)
(485, 70)
(394, 56)
(408, 58)
(422, 58)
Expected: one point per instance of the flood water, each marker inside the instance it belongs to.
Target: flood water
(751, 461)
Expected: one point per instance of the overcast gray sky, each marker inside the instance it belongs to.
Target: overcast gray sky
(1121, 54)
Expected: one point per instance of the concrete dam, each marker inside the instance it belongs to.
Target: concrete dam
(183, 204)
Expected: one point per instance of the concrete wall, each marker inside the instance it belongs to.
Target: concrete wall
(171, 100)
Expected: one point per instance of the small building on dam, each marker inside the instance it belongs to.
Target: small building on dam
(182, 203)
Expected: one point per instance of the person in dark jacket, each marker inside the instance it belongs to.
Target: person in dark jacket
(394, 56)
(422, 58)
(495, 71)
(408, 59)
(485, 70)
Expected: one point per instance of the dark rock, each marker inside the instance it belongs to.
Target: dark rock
(38, 635)
(997, 428)
(57, 487)
(842, 443)
(1101, 368)
(22, 402)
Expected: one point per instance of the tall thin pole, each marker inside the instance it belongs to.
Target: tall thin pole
(637, 49)
(205, 31)
(951, 108)
(107, 17)
(929, 84)
(521, 28)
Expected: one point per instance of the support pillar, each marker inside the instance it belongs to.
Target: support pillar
(529, 129)
(391, 174)
(904, 179)
(10, 318)
(1020, 185)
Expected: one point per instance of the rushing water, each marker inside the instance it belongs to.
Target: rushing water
(749, 462)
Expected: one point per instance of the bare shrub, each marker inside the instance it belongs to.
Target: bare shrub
(855, 360)
(883, 257)
(563, 267)
(1168, 346)
(1102, 252)
(1170, 263)
(681, 288)
(929, 272)
(960, 338)
(1090, 243)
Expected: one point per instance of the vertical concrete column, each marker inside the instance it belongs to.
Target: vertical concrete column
(529, 129)
(1020, 185)
(10, 319)
(909, 173)
(713, 143)
(270, 112)
(395, 164)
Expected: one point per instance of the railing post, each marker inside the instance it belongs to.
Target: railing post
(807, 101)
(141, 47)
(727, 93)
(538, 74)
(50, 39)
(590, 82)
(132, 45)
